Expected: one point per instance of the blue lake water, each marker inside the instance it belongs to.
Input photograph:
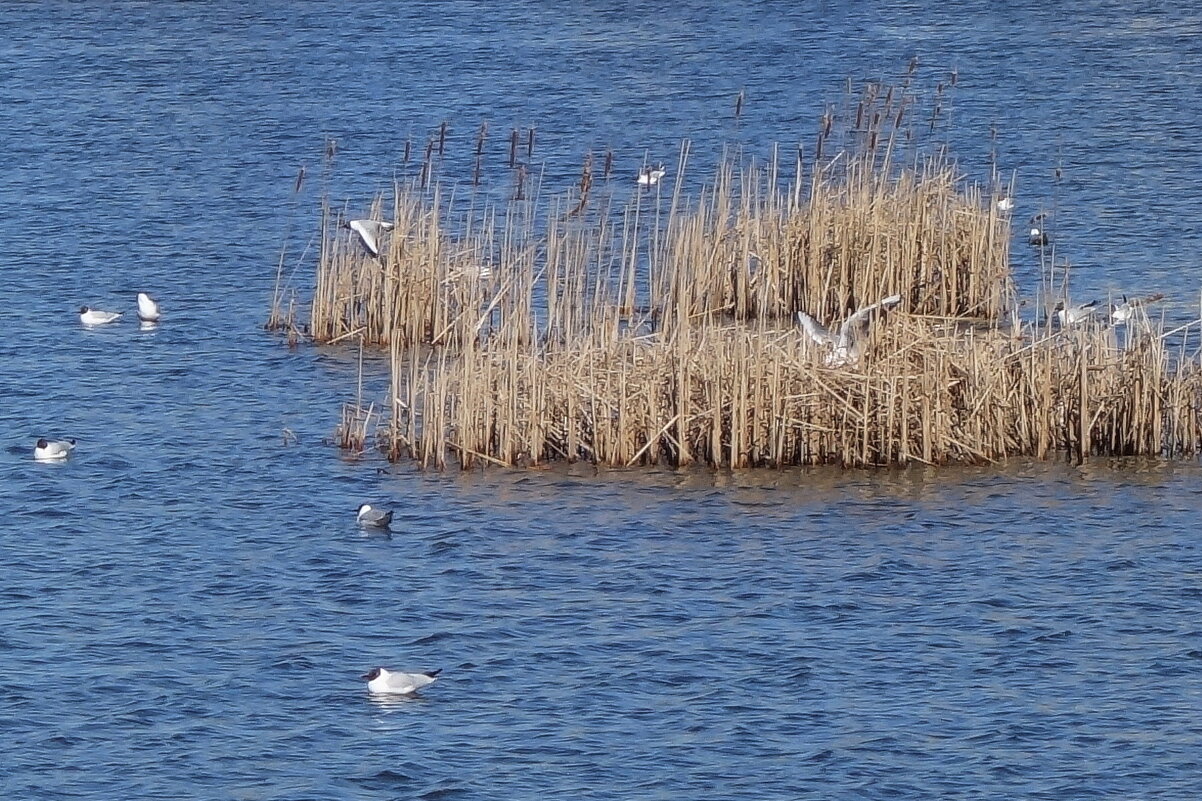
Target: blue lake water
(186, 604)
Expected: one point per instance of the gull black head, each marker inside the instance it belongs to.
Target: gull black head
(42, 443)
(371, 675)
(83, 309)
(1059, 306)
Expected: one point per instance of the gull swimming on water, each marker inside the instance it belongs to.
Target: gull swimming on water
(1071, 315)
(387, 682)
(370, 232)
(1005, 203)
(846, 344)
(1038, 236)
(371, 517)
(148, 308)
(1124, 312)
(649, 176)
(96, 317)
(53, 450)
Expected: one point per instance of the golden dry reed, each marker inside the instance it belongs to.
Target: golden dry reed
(670, 336)
(742, 397)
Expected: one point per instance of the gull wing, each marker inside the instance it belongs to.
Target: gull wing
(370, 232)
(408, 682)
(858, 323)
(816, 330)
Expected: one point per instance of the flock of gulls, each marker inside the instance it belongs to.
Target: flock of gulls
(57, 450)
(380, 681)
(843, 346)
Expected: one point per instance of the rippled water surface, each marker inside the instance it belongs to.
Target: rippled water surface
(186, 605)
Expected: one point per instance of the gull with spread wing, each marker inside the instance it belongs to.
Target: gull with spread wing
(845, 346)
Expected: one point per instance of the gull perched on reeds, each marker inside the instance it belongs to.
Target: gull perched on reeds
(148, 308)
(89, 316)
(371, 517)
(388, 682)
(649, 176)
(1072, 315)
(53, 450)
(846, 345)
(371, 233)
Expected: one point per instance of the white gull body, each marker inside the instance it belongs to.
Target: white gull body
(89, 316)
(52, 450)
(372, 517)
(387, 682)
(650, 176)
(845, 346)
(1073, 315)
(148, 308)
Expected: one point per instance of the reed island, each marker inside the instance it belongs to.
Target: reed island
(624, 323)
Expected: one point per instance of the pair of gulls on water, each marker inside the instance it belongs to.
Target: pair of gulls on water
(844, 346)
(381, 681)
(148, 312)
(1120, 313)
(1037, 235)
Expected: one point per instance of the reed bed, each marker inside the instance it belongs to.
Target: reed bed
(558, 330)
(749, 249)
(734, 397)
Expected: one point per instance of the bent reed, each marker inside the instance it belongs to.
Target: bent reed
(546, 331)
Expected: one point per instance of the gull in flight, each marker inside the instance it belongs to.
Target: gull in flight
(387, 682)
(371, 517)
(48, 450)
(148, 308)
(96, 317)
(370, 232)
(649, 176)
(845, 346)
(1071, 315)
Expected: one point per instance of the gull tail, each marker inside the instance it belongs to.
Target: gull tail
(432, 673)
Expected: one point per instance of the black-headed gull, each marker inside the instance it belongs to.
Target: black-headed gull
(370, 232)
(1071, 315)
(49, 450)
(845, 345)
(148, 308)
(649, 176)
(387, 682)
(374, 518)
(1124, 312)
(1037, 236)
(89, 316)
